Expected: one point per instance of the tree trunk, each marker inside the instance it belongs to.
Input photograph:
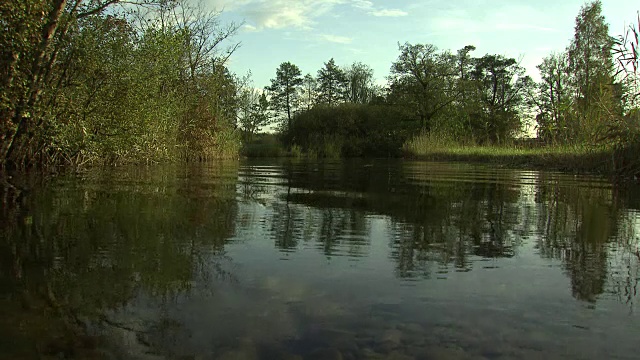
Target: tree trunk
(38, 68)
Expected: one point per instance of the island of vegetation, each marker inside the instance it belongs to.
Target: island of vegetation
(109, 82)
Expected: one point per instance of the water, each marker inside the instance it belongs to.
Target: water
(361, 259)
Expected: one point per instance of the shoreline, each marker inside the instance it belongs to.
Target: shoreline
(584, 162)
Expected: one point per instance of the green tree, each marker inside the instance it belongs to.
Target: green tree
(332, 84)
(554, 101)
(35, 33)
(309, 92)
(253, 112)
(591, 63)
(424, 79)
(284, 90)
(501, 85)
(361, 88)
(89, 81)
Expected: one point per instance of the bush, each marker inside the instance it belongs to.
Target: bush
(349, 130)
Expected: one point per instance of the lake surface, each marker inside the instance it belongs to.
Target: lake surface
(361, 259)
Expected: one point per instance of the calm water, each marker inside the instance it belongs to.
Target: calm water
(360, 259)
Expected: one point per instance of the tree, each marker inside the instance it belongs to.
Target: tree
(465, 104)
(553, 99)
(332, 84)
(34, 35)
(361, 88)
(203, 35)
(309, 92)
(285, 90)
(84, 80)
(501, 85)
(425, 80)
(465, 67)
(253, 111)
(591, 63)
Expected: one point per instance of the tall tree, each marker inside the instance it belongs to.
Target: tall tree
(424, 79)
(332, 84)
(285, 90)
(309, 92)
(501, 85)
(591, 63)
(253, 111)
(465, 104)
(554, 100)
(361, 88)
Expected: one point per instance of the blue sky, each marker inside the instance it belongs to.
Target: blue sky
(310, 32)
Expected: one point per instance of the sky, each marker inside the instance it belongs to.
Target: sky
(308, 33)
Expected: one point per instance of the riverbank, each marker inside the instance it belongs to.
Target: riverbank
(568, 159)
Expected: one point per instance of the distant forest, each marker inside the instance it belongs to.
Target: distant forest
(109, 82)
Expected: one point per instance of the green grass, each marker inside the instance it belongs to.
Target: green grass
(574, 158)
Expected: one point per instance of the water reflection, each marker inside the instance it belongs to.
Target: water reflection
(158, 259)
(79, 247)
(449, 215)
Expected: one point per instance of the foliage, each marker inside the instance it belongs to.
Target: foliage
(360, 85)
(253, 111)
(591, 65)
(309, 92)
(285, 90)
(556, 123)
(90, 82)
(348, 130)
(423, 79)
(263, 145)
(501, 85)
(332, 84)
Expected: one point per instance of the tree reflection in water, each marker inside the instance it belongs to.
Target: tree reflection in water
(76, 252)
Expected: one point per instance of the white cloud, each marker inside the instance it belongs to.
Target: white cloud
(249, 28)
(362, 4)
(368, 7)
(336, 39)
(389, 13)
(300, 14)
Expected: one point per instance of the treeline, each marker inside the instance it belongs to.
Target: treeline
(109, 81)
(582, 97)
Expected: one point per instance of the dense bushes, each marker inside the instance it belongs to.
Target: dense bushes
(349, 130)
(92, 82)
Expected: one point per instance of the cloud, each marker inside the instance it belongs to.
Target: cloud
(336, 39)
(249, 28)
(389, 13)
(368, 7)
(300, 14)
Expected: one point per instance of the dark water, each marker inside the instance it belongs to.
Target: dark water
(339, 260)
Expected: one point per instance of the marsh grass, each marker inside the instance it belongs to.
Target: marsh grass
(574, 158)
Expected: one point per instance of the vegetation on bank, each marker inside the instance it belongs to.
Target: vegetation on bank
(584, 111)
(110, 81)
(528, 153)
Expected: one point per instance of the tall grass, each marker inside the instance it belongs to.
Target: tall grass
(578, 157)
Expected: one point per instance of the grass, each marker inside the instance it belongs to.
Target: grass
(572, 158)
